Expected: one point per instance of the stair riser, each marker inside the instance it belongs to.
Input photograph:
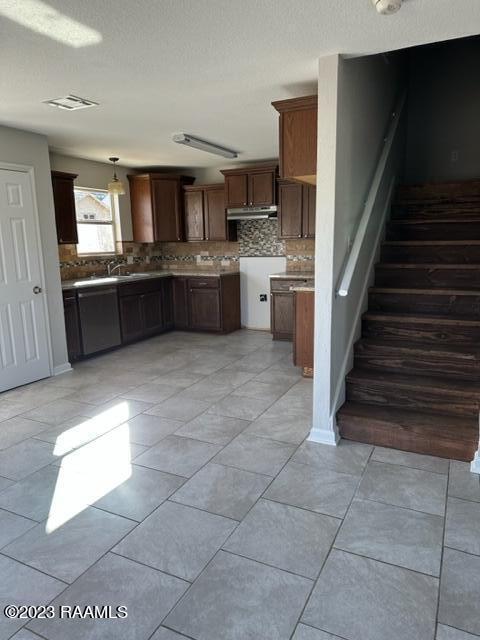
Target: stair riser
(416, 399)
(397, 438)
(433, 231)
(426, 278)
(463, 191)
(436, 210)
(426, 332)
(429, 304)
(431, 254)
(421, 365)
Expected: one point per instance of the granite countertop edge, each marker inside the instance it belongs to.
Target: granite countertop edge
(293, 275)
(82, 283)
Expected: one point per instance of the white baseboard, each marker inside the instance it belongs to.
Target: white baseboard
(325, 436)
(62, 368)
(475, 464)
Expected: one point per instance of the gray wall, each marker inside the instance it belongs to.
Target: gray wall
(356, 100)
(444, 112)
(21, 147)
(97, 175)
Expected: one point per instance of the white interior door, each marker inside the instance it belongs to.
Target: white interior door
(24, 350)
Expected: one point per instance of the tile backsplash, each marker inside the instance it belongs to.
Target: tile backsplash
(255, 238)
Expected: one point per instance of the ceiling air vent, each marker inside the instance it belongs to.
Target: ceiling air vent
(71, 103)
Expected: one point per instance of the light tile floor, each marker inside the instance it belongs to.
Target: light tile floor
(173, 477)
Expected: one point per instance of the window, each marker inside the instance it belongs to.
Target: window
(95, 224)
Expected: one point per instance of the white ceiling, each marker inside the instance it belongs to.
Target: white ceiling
(205, 67)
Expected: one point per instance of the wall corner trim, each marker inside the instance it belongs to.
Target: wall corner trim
(328, 435)
(475, 464)
(62, 368)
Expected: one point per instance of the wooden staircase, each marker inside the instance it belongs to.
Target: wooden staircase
(415, 384)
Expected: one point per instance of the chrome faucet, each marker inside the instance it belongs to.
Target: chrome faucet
(111, 269)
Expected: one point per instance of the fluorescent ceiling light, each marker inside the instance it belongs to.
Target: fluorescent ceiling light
(46, 20)
(71, 103)
(203, 145)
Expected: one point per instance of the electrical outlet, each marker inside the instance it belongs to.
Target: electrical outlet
(263, 297)
(454, 155)
(129, 259)
(147, 259)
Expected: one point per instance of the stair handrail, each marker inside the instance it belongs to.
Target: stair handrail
(351, 262)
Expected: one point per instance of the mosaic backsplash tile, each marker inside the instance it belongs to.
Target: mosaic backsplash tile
(255, 238)
(259, 238)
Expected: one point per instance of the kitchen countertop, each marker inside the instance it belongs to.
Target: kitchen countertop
(304, 289)
(293, 275)
(98, 281)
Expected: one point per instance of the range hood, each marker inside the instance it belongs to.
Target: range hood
(252, 213)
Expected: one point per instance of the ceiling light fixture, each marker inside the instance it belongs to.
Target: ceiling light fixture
(203, 145)
(115, 187)
(387, 7)
(71, 103)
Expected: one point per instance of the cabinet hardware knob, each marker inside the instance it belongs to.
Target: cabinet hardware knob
(299, 235)
(37, 290)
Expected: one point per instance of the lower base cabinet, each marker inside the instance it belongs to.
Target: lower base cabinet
(105, 317)
(303, 332)
(282, 307)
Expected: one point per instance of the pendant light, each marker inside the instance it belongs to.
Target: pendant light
(115, 187)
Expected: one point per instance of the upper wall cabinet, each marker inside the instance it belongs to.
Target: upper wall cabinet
(298, 138)
(205, 215)
(157, 206)
(64, 201)
(251, 186)
(296, 210)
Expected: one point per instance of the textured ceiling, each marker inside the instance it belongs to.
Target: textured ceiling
(205, 67)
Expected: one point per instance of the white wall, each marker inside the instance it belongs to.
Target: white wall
(356, 99)
(21, 147)
(444, 108)
(97, 175)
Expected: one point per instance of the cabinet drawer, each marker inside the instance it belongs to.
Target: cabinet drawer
(284, 285)
(139, 287)
(204, 283)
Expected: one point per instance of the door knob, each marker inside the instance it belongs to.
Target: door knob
(37, 289)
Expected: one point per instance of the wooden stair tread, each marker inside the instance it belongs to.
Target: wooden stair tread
(431, 291)
(430, 221)
(466, 352)
(449, 386)
(427, 265)
(409, 318)
(428, 243)
(413, 420)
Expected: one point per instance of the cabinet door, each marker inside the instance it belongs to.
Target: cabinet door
(215, 215)
(261, 189)
(131, 320)
(167, 303)
(290, 211)
(64, 202)
(141, 206)
(236, 191)
(151, 304)
(309, 206)
(180, 302)
(167, 212)
(194, 218)
(72, 327)
(282, 316)
(204, 309)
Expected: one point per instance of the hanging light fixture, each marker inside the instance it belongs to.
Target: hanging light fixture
(115, 187)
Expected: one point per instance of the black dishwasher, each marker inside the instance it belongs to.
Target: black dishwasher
(99, 319)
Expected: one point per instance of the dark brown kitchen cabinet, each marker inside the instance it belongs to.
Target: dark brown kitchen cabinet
(180, 302)
(72, 325)
(296, 211)
(282, 307)
(304, 304)
(167, 303)
(298, 138)
(157, 206)
(205, 215)
(204, 304)
(213, 303)
(152, 312)
(131, 318)
(64, 203)
(252, 186)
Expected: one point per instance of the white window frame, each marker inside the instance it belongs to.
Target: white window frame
(112, 223)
